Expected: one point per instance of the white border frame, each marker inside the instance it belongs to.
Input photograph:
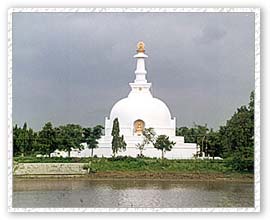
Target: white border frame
(256, 207)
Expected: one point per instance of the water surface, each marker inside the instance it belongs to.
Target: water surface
(56, 193)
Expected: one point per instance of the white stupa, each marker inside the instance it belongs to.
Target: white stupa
(141, 110)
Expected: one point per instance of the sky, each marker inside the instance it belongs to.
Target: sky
(73, 67)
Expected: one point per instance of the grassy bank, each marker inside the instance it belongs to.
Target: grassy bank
(145, 165)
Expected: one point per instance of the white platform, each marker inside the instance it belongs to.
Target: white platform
(180, 150)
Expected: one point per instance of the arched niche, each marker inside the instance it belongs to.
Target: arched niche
(139, 126)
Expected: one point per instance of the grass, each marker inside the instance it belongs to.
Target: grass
(33, 159)
(148, 165)
(156, 165)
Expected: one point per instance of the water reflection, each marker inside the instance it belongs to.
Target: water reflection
(130, 193)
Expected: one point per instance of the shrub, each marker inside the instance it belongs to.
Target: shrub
(89, 167)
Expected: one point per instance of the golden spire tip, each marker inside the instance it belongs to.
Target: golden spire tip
(140, 47)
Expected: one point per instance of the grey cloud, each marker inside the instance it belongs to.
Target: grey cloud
(210, 34)
(72, 67)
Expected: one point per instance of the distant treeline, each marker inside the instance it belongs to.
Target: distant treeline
(63, 138)
(233, 142)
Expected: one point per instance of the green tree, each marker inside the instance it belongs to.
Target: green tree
(24, 140)
(122, 143)
(91, 136)
(164, 144)
(251, 104)
(196, 134)
(237, 138)
(47, 142)
(32, 141)
(148, 137)
(188, 133)
(238, 131)
(16, 132)
(213, 143)
(118, 142)
(69, 137)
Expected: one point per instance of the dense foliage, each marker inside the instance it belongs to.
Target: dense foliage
(234, 142)
(24, 140)
(69, 137)
(91, 136)
(237, 138)
(44, 142)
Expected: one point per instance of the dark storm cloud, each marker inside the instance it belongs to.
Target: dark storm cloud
(72, 67)
(210, 34)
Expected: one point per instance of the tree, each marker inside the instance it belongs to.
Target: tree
(214, 147)
(90, 136)
(16, 148)
(237, 138)
(148, 137)
(251, 103)
(69, 137)
(122, 143)
(196, 134)
(24, 140)
(23, 137)
(188, 133)
(47, 142)
(118, 142)
(32, 141)
(238, 131)
(164, 144)
(115, 135)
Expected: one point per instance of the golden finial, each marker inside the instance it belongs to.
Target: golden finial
(140, 47)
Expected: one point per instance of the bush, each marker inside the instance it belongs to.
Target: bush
(122, 158)
(243, 165)
(89, 167)
(241, 160)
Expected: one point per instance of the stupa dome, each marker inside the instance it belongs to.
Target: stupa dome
(152, 111)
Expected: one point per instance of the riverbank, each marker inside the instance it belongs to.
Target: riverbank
(117, 175)
(128, 168)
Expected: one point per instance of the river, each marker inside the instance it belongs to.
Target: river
(59, 193)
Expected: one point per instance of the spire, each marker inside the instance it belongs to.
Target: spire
(140, 69)
(140, 82)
